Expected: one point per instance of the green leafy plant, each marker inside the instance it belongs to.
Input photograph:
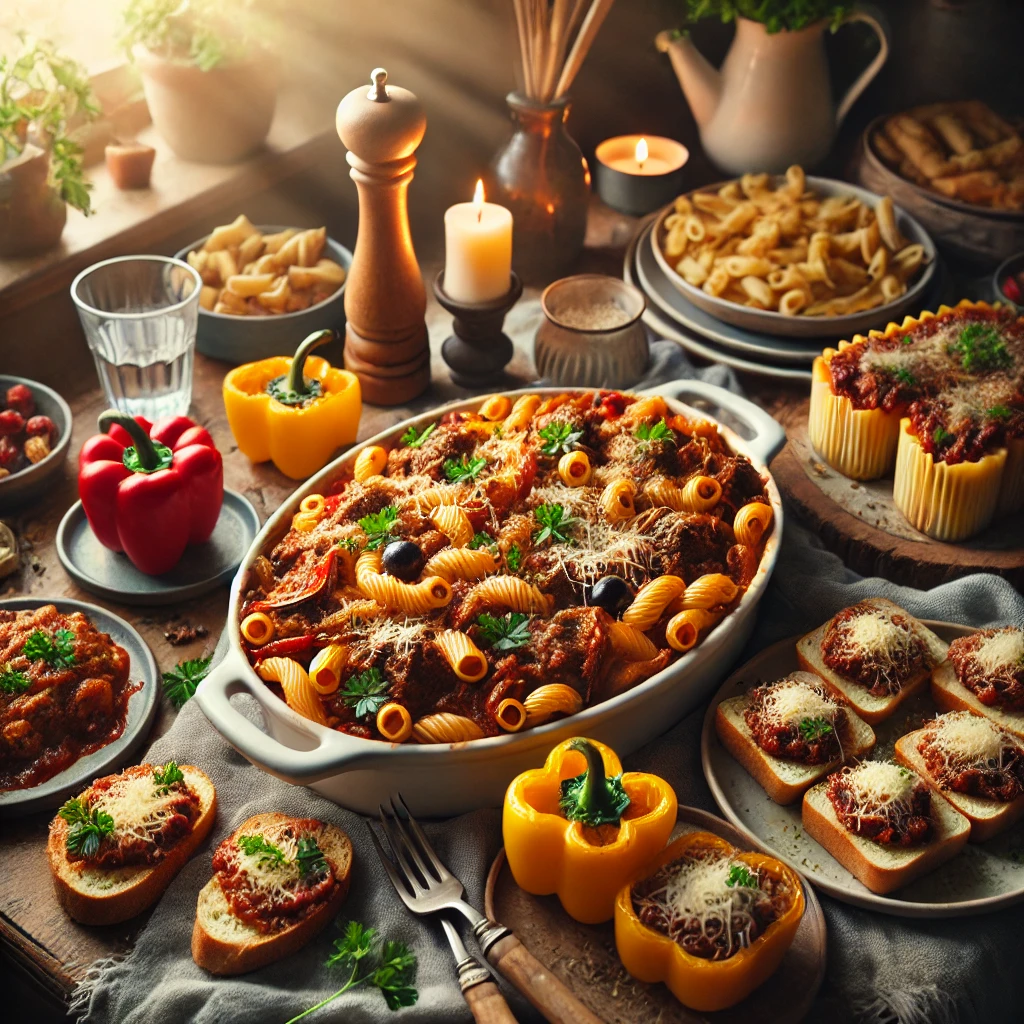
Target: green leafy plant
(775, 15)
(181, 682)
(378, 526)
(13, 682)
(167, 776)
(386, 965)
(267, 853)
(513, 558)
(366, 692)
(651, 433)
(555, 524)
(460, 471)
(814, 729)
(310, 859)
(57, 650)
(559, 438)
(981, 347)
(739, 875)
(414, 438)
(89, 826)
(505, 633)
(43, 96)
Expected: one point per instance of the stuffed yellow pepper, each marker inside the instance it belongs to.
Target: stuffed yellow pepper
(296, 411)
(678, 923)
(581, 829)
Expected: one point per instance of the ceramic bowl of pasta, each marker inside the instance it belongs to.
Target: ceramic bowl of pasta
(795, 256)
(439, 606)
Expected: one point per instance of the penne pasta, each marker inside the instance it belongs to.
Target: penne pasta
(465, 658)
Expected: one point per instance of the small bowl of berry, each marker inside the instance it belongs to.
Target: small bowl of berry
(1008, 281)
(35, 433)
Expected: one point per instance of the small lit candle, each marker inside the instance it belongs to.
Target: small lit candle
(637, 173)
(478, 250)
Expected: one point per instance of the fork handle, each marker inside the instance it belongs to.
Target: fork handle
(488, 1005)
(545, 991)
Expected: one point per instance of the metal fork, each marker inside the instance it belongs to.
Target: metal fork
(426, 886)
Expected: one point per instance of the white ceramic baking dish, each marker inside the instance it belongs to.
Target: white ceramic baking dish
(447, 779)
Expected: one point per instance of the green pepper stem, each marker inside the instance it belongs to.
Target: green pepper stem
(296, 381)
(149, 458)
(594, 795)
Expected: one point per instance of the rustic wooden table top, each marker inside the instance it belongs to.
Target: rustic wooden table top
(33, 929)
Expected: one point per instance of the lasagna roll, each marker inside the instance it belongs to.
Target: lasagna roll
(513, 593)
(630, 643)
(257, 628)
(617, 500)
(575, 470)
(497, 407)
(651, 601)
(326, 667)
(411, 598)
(709, 591)
(752, 523)
(370, 462)
(551, 699)
(510, 715)
(394, 722)
(453, 564)
(445, 727)
(685, 627)
(465, 658)
(298, 691)
(453, 522)
(521, 415)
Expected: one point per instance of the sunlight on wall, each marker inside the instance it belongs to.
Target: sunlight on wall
(83, 29)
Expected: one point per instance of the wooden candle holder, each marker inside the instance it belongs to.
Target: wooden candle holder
(478, 352)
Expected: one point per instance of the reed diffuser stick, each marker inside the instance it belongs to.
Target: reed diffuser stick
(588, 31)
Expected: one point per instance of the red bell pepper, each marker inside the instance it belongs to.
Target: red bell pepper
(150, 490)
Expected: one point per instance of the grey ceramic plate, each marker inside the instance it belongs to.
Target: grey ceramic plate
(984, 877)
(244, 339)
(21, 487)
(203, 567)
(142, 707)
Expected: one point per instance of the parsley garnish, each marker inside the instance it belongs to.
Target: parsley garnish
(554, 523)
(645, 433)
(814, 729)
(181, 682)
(348, 544)
(389, 966)
(739, 875)
(12, 681)
(166, 777)
(459, 471)
(482, 540)
(414, 438)
(513, 558)
(998, 412)
(378, 526)
(366, 692)
(310, 858)
(981, 347)
(559, 437)
(88, 827)
(505, 633)
(57, 651)
(257, 846)
(903, 375)
(940, 436)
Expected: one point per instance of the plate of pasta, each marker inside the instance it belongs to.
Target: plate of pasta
(794, 255)
(460, 592)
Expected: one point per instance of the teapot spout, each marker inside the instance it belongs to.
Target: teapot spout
(700, 82)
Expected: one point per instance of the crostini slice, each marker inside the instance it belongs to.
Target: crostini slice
(872, 640)
(785, 779)
(140, 808)
(951, 695)
(222, 941)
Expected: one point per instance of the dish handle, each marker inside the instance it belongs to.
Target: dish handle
(309, 761)
(767, 436)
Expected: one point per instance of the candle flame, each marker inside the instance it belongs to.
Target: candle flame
(641, 152)
(478, 198)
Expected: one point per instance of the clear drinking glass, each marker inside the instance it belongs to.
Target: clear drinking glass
(140, 315)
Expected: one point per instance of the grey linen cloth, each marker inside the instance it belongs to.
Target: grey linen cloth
(881, 970)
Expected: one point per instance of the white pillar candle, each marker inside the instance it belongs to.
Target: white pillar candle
(478, 250)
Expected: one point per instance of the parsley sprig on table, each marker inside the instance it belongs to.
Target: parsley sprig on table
(739, 875)
(166, 777)
(378, 526)
(460, 471)
(505, 633)
(181, 682)
(310, 859)
(58, 650)
(559, 437)
(387, 965)
(366, 692)
(555, 524)
(268, 853)
(812, 729)
(648, 433)
(89, 826)
(13, 682)
(981, 347)
(414, 438)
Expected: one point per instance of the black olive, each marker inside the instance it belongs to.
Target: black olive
(611, 593)
(403, 560)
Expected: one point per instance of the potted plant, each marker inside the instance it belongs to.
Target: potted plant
(43, 97)
(770, 105)
(210, 85)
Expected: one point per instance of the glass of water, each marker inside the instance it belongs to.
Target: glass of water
(140, 315)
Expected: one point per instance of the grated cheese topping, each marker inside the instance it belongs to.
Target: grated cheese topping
(1000, 651)
(969, 740)
(878, 786)
(791, 701)
(138, 810)
(400, 634)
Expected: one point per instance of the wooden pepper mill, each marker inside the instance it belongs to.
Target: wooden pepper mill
(386, 344)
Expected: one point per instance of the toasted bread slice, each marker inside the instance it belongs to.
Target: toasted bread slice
(784, 781)
(883, 868)
(987, 817)
(951, 695)
(224, 944)
(97, 895)
(871, 708)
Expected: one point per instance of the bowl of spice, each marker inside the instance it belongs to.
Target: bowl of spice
(591, 335)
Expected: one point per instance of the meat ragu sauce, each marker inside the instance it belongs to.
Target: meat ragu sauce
(896, 822)
(958, 376)
(1000, 684)
(57, 708)
(1001, 780)
(818, 742)
(272, 893)
(516, 482)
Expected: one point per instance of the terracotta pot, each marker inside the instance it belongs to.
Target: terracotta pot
(32, 214)
(211, 117)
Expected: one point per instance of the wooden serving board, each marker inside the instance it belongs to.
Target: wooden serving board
(584, 958)
(860, 522)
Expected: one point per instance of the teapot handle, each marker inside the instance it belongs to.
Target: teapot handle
(865, 77)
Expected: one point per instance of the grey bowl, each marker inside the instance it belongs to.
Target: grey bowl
(1014, 265)
(25, 485)
(767, 321)
(244, 339)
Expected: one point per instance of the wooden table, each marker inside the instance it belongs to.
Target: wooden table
(34, 933)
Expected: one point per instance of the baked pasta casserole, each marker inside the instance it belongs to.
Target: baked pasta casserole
(494, 570)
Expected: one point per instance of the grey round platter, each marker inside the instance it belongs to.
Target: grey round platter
(983, 877)
(142, 706)
(204, 566)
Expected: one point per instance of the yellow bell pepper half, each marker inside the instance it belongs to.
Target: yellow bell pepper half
(584, 864)
(707, 985)
(297, 422)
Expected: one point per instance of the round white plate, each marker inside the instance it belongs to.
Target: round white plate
(985, 876)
